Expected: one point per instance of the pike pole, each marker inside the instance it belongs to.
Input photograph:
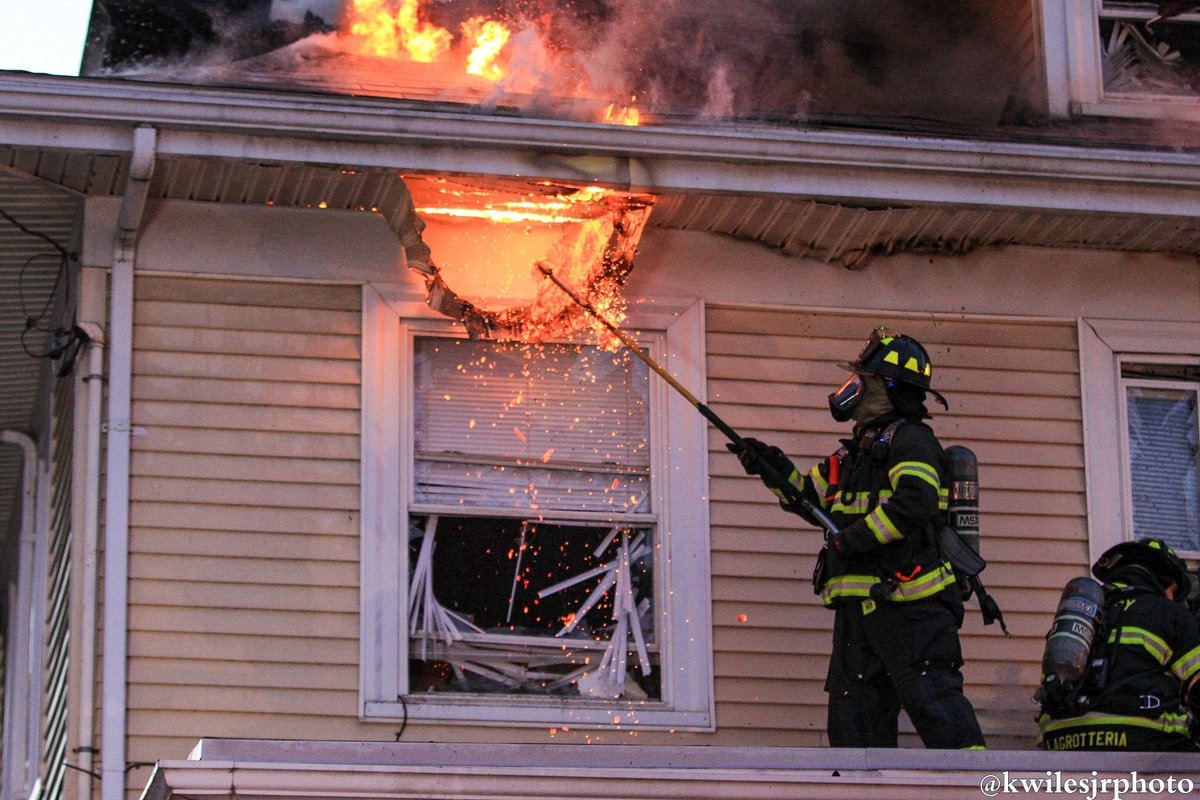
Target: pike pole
(791, 494)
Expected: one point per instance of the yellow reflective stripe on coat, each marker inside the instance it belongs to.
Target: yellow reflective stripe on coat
(1159, 650)
(841, 586)
(795, 480)
(1167, 723)
(917, 469)
(925, 585)
(882, 526)
(819, 483)
(1187, 665)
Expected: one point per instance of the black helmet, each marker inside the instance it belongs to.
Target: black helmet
(1151, 558)
(899, 358)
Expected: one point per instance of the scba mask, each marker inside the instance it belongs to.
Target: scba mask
(843, 402)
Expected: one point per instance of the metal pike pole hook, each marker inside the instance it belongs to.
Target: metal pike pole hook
(791, 494)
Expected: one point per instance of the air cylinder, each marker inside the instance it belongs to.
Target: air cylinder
(963, 511)
(1073, 631)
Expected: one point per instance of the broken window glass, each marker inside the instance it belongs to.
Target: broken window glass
(532, 534)
(1146, 53)
(1164, 461)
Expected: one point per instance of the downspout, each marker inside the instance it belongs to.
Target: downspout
(116, 496)
(85, 749)
(20, 706)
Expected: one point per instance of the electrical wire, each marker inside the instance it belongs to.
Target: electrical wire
(64, 337)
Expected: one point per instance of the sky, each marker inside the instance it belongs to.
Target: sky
(43, 35)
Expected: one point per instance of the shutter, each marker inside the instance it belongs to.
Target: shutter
(57, 669)
(545, 427)
(1163, 456)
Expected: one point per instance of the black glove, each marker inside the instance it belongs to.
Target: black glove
(753, 454)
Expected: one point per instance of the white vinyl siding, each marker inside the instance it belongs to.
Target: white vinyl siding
(243, 518)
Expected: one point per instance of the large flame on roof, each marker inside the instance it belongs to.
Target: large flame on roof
(488, 245)
(401, 29)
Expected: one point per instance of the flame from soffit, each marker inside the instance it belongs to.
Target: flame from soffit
(586, 236)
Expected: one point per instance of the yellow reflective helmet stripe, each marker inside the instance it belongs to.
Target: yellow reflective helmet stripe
(913, 365)
(892, 357)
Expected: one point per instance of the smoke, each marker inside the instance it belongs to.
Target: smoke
(771, 60)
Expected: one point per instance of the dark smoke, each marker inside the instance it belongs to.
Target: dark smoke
(772, 60)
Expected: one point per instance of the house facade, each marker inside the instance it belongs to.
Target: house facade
(278, 494)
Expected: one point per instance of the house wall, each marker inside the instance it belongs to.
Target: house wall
(244, 517)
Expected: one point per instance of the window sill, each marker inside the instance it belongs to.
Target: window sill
(538, 712)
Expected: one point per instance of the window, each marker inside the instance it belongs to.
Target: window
(1140, 386)
(1121, 59)
(535, 538)
(1163, 452)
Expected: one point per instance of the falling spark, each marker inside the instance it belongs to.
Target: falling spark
(742, 618)
(546, 456)
(471, 424)
(520, 435)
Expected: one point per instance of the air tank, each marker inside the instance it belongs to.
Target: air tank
(1073, 631)
(963, 512)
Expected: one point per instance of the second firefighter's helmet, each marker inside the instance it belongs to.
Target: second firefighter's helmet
(896, 357)
(1150, 559)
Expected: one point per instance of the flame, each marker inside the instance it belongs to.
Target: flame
(622, 114)
(488, 38)
(386, 33)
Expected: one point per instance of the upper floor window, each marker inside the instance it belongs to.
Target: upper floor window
(535, 533)
(1163, 451)
(1122, 58)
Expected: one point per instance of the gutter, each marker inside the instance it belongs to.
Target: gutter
(368, 133)
(22, 711)
(116, 523)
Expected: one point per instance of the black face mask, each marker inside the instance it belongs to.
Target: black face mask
(843, 402)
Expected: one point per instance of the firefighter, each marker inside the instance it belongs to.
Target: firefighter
(1140, 685)
(897, 609)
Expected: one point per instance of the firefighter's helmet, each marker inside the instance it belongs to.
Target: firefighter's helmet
(896, 358)
(1151, 558)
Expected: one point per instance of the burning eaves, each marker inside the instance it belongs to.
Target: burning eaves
(487, 245)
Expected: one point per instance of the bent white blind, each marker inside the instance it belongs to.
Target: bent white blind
(549, 427)
(1164, 462)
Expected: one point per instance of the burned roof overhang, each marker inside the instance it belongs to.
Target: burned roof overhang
(854, 168)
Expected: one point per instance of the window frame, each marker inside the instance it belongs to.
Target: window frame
(1074, 71)
(1104, 346)
(392, 315)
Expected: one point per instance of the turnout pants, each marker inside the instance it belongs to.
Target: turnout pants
(887, 656)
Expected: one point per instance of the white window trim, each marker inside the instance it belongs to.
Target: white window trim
(1074, 77)
(682, 570)
(1103, 346)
